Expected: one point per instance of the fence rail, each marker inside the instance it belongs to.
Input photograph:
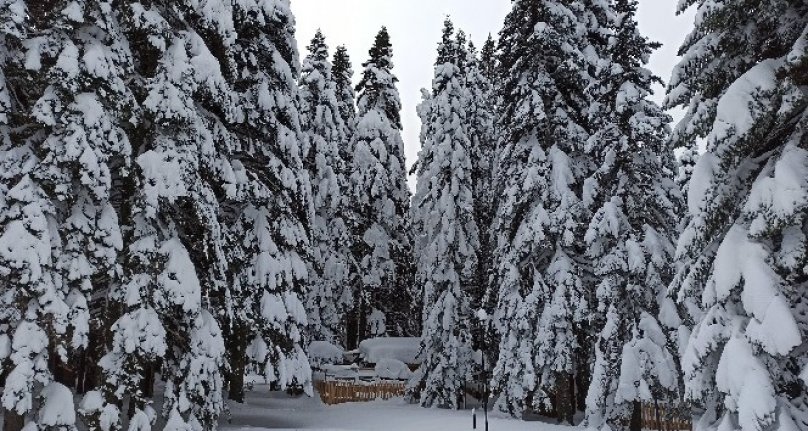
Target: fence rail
(338, 392)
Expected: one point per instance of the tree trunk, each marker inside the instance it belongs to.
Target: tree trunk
(147, 384)
(238, 362)
(583, 380)
(636, 417)
(88, 372)
(12, 421)
(357, 323)
(60, 371)
(565, 403)
(351, 329)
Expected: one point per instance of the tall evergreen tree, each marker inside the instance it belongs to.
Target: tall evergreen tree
(342, 73)
(447, 240)
(635, 205)
(329, 295)
(488, 59)
(480, 129)
(64, 110)
(272, 220)
(382, 245)
(742, 284)
(173, 253)
(542, 283)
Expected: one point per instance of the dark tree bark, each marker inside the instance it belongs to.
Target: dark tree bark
(238, 362)
(636, 417)
(565, 402)
(12, 421)
(357, 323)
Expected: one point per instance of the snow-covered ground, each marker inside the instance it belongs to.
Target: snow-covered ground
(265, 410)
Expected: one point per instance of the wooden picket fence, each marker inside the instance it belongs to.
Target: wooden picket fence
(660, 419)
(339, 391)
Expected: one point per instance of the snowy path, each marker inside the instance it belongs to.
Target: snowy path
(275, 411)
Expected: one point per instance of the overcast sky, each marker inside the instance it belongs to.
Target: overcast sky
(415, 29)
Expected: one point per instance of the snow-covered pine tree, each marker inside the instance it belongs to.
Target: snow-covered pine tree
(636, 206)
(488, 59)
(173, 256)
(342, 74)
(382, 242)
(66, 65)
(329, 296)
(543, 295)
(479, 126)
(27, 244)
(446, 242)
(272, 221)
(743, 282)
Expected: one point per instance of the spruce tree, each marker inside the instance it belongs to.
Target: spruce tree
(273, 217)
(342, 74)
(382, 244)
(447, 240)
(544, 293)
(329, 295)
(635, 205)
(173, 243)
(479, 126)
(488, 59)
(742, 283)
(63, 144)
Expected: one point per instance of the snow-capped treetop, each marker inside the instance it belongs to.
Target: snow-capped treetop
(377, 87)
(488, 62)
(343, 77)
(448, 46)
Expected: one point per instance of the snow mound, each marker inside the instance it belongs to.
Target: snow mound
(392, 369)
(341, 371)
(323, 352)
(404, 349)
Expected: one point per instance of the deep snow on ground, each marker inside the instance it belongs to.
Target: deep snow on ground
(264, 410)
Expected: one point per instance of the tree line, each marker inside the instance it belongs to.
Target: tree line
(558, 233)
(183, 199)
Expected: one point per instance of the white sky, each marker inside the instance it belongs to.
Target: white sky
(415, 29)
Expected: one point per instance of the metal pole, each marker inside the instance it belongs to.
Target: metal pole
(485, 381)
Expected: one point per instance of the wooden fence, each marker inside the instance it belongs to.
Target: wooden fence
(338, 392)
(661, 419)
(655, 418)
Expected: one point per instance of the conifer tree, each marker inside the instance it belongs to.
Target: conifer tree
(382, 244)
(63, 144)
(480, 129)
(172, 257)
(273, 217)
(742, 282)
(544, 296)
(329, 295)
(635, 205)
(447, 240)
(342, 73)
(488, 59)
